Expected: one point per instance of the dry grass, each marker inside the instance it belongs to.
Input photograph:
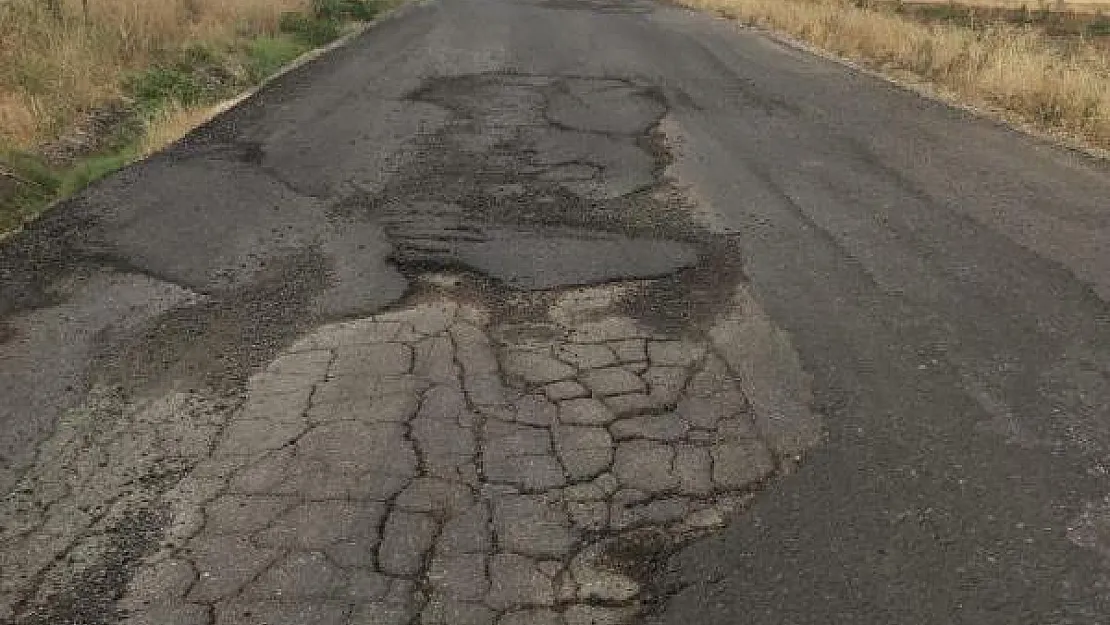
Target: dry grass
(1054, 5)
(87, 90)
(1019, 70)
(53, 67)
(172, 124)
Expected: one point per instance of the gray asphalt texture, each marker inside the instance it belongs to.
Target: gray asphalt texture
(944, 279)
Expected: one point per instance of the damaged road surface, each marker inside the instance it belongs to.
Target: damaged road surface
(564, 312)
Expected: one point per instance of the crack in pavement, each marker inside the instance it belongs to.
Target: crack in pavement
(509, 446)
(369, 475)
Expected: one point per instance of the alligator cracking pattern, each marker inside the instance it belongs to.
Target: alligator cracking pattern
(522, 461)
(428, 466)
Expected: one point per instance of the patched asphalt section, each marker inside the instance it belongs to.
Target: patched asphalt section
(442, 465)
(532, 183)
(537, 181)
(91, 594)
(944, 282)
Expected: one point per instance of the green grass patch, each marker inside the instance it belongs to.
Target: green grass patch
(92, 169)
(194, 76)
(308, 29)
(324, 23)
(345, 10)
(267, 55)
(1100, 27)
(28, 185)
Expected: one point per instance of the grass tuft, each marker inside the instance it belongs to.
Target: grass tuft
(267, 54)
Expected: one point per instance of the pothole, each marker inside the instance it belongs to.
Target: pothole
(538, 182)
(565, 395)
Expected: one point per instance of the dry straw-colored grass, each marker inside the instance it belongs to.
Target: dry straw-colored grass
(1018, 70)
(172, 124)
(56, 64)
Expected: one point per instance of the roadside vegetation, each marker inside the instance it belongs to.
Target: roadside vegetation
(1046, 69)
(87, 86)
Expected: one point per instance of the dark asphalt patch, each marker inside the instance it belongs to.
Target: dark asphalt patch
(692, 297)
(539, 182)
(91, 596)
(534, 184)
(215, 343)
(598, 6)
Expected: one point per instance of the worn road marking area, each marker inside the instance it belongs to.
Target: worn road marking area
(428, 465)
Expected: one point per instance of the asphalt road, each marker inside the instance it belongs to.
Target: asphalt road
(943, 279)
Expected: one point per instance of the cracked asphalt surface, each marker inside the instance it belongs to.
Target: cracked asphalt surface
(564, 312)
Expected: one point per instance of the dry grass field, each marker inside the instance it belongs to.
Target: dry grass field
(1037, 66)
(87, 86)
(1086, 6)
(59, 59)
